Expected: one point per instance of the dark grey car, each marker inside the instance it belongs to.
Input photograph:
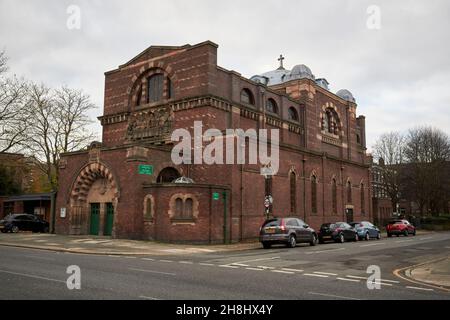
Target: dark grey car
(289, 231)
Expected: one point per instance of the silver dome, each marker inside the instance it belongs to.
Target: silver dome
(276, 76)
(346, 95)
(183, 179)
(300, 71)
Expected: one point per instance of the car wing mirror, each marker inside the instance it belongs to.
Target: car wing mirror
(305, 226)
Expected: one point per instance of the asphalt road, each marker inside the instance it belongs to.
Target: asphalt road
(329, 271)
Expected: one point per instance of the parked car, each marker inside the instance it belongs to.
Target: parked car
(400, 226)
(338, 232)
(366, 230)
(289, 231)
(23, 222)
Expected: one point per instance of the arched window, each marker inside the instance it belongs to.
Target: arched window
(349, 192)
(314, 194)
(292, 181)
(188, 208)
(334, 195)
(292, 114)
(179, 208)
(167, 175)
(247, 97)
(330, 122)
(155, 88)
(148, 208)
(271, 106)
(363, 200)
(139, 96)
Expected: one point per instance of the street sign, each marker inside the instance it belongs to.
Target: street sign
(145, 169)
(215, 196)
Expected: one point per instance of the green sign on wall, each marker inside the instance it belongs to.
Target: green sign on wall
(146, 169)
(215, 195)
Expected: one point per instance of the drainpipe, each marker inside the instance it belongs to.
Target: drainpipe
(225, 223)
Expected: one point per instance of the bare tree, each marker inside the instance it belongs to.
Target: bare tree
(12, 102)
(389, 151)
(57, 121)
(426, 179)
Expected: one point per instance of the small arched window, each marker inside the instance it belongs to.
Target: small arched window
(271, 106)
(334, 195)
(188, 208)
(247, 97)
(330, 122)
(314, 194)
(363, 200)
(349, 192)
(179, 208)
(292, 114)
(155, 88)
(292, 181)
(167, 175)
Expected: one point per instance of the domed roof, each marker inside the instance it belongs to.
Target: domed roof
(183, 179)
(346, 95)
(276, 76)
(300, 71)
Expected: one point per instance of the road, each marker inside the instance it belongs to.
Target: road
(329, 271)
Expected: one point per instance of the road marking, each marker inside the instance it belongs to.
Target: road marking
(427, 238)
(418, 288)
(228, 266)
(32, 276)
(315, 275)
(326, 273)
(39, 257)
(392, 281)
(381, 283)
(165, 261)
(186, 262)
(129, 257)
(372, 244)
(281, 271)
(331, 250)
(240, 264)
(356, 277)
(346, 279)
(148, 298)
(205, 264)
(113, 256)
(148, 259)
(255, 269)
(265, 267)
(294, 270)
(332, 296)
(447, 247)
(271, 258)
(400, 241)
(153, 271)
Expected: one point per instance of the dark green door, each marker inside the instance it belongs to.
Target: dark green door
(109, 219)
(95, 218)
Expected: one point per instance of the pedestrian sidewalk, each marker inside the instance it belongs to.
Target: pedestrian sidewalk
(435, 273)
(105, 245)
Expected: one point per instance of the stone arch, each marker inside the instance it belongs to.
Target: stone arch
(94, 180)
(140, 76)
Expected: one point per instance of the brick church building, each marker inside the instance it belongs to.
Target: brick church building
(127, 186)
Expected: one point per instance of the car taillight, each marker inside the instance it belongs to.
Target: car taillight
(337, 229)
(283, 228)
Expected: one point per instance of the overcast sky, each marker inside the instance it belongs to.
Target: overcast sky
(399, 73)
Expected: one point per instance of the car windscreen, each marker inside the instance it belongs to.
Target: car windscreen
(396, 222)
(356, 225)
(328, 226)
(272, 223)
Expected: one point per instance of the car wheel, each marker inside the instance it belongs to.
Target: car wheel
(405, 233)
(266, 245)
(379, 235)
(356, 237)
(341, 238)
(15, 229)
(414, 233)
(313, 241)
(367, 237)
(292, 241)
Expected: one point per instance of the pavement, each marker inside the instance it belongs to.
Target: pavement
(243, 271)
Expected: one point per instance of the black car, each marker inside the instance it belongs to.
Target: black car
(23, 222)
(289, 231)
(338, 232)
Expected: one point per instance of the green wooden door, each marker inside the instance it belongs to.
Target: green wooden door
(109, 219)
(95, 218)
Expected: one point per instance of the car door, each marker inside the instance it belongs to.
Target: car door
(20, 221)
(349, 234)
(305, 233)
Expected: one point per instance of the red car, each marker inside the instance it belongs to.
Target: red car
(398, 227)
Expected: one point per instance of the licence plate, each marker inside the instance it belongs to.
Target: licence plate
(326, 237)
(270, 230)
